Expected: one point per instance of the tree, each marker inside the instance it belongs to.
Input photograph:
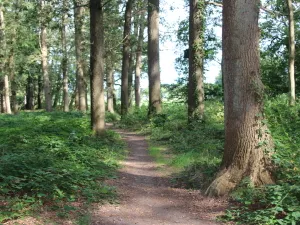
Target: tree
(80, 80)
(4, 86)
(196, 59)
(153, 58)
(291, 52)
(64, 61)
(44, 57)
(126, 58)
(97, 67)
(246, 138)
(138, 63)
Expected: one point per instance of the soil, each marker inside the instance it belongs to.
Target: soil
(148, 198)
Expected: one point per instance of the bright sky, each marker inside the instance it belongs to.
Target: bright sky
(169, 50)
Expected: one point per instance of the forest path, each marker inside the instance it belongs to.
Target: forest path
(147, 198)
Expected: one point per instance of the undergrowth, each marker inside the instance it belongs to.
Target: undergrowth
(52, 159)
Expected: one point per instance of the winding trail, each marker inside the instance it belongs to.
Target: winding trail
(147, 197)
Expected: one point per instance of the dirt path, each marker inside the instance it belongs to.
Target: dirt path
(148, 199)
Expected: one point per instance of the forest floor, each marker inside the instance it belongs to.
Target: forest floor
(147, 196)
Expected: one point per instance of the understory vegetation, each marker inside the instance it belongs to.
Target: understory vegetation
(196, 152)
(52, 162)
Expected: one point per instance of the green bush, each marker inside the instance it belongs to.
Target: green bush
(46, 157)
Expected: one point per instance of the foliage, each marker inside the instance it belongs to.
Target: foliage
(278, 203)
(52, 158)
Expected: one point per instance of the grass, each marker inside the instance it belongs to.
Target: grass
(53, 160)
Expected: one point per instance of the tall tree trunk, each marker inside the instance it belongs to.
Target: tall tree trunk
(244, 156)
(292, 52)
(196, 56)
(131, 61)
(29, 93)
(97, 67)
(110, 90)
(40, 91)
(14, 85)
(44, 58)
(5, 87)
(65, 60)
(80, 79)
(138, 63)
(153, 58)
(6, 95)
(126, 58)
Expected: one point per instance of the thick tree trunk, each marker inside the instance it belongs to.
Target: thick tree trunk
(244, 153)
(44, 59)
(138, 63)
(97, 67)
(153, 58)
(126, 58)
(292, 52)
(80, 79)
(65, 60)
(196, 56)
(110, 90)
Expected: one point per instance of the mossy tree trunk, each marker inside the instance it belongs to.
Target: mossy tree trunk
(246, 139)
(196, 57)
(155, 105)
(97, 67)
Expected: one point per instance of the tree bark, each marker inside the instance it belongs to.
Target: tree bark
(110, 90)
(196, 56)
(64, 62)
(292, 53)
(44, 59)
(29, 94)
(138, 63)
(97, 67)
(126, 58)
(80, 79)
(153, 58)
(3, 59)
(246, 139)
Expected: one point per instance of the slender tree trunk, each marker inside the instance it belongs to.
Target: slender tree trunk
(138, 63)
(6, 95)
(64, 62)
(80, 78)
(110, 90)
(40, 92)
(44, 59)
(153, 58)
(97, 67)
(29, 93)
(126, 58)
(196, 56)
(131, 61)
(244, 156)
(292, 52)
(5, 88)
